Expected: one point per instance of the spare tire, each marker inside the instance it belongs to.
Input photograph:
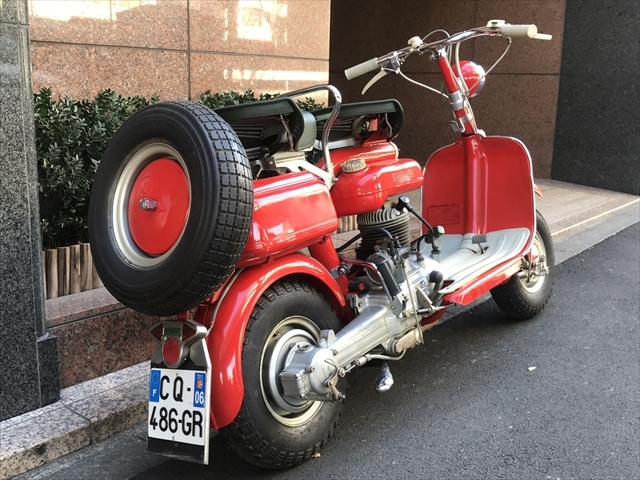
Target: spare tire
(170, 208)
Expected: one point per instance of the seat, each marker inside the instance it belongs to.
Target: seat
(354, 119)
(271, 124)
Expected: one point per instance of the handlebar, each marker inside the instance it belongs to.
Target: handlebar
(362, 68)
(416, 45)
(530, 31)
(519, 31)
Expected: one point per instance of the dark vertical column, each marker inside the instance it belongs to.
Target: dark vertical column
(597, 130)
(28, 354)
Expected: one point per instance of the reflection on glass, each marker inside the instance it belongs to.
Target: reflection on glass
(275, 75)
(66, 9)
(265, 80)
(257, 19)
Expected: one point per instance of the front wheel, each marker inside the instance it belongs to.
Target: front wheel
(272, 430)
(527, 292)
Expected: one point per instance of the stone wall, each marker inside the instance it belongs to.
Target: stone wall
(97, 335)
(29, 373)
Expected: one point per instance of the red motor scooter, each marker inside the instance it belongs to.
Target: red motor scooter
(219, 221)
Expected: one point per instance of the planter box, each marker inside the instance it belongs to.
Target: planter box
(69, 270)
(96, 335)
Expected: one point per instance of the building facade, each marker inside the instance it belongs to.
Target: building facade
(574, 101)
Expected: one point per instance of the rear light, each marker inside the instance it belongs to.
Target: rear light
(175, 339)
(171, 352)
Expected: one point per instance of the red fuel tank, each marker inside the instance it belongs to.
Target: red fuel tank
(366, 190)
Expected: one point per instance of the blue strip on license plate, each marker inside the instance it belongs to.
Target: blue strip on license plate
(199, 391)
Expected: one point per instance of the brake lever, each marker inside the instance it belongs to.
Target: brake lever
(370, 83)
(390, 65)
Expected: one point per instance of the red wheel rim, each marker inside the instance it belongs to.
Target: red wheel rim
(159, 206)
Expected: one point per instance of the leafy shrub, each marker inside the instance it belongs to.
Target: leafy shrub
(71, 136)
(219, 100)
(224, 99)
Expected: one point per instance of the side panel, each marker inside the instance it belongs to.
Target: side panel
(290, 212)
(373, 150)
(482, 285)
(479, 185)
(225, 340)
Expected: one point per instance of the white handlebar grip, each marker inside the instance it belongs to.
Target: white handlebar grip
(519, 31)
(361, 69)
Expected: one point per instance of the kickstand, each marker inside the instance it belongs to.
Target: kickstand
(385, 380)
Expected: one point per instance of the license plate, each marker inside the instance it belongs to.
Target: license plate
(179, 408)
(177, 401)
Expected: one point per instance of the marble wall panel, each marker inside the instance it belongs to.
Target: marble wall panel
(13, 11)
(351, 90)
(134, 23)
(426, 124)
(368, 37)
(426, 117)
(525, 55)
(81, 71)
(102, 344)
(28, 354)
(215, 72)
(522, 106)
(417, 17)
(79, 306)
(289, 28)
(360, 30)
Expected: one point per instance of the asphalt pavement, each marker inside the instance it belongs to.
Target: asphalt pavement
(555, 397)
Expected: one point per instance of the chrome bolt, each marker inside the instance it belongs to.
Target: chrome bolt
(148, 204)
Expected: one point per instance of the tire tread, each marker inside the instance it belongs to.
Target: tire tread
(234, 213)
(222, 236)
(241, 436)
(511, 296)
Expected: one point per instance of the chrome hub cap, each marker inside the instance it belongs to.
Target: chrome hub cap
(284, 337)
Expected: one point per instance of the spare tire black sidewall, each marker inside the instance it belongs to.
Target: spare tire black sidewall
(150, 289)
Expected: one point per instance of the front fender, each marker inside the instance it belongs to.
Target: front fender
(225, 340)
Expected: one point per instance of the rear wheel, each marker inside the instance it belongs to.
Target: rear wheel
(170, 208)
(527, 292)
(272, 430)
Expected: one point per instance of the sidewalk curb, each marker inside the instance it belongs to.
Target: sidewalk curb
(86, 413)
(92, 411)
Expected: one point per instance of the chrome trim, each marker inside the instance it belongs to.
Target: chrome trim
(329, 123)
(127, 246)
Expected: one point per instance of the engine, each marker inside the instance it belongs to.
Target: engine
(401, 289)
(372, 226)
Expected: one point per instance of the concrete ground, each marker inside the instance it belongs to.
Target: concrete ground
(578, 216)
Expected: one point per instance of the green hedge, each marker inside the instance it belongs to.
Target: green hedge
(71, 136)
